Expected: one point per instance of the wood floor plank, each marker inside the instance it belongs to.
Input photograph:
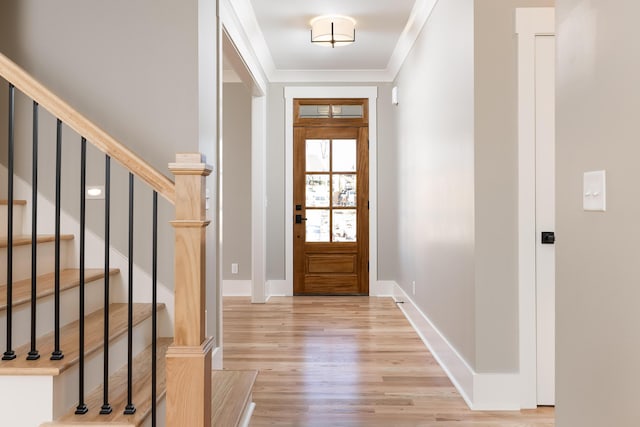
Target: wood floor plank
(346, 361)
(118, 321)
(69, 278)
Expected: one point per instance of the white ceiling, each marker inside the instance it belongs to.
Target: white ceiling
(285, 27)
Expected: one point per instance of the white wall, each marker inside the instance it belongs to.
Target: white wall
(598, 100)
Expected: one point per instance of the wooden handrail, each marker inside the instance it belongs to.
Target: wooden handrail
(84, 127)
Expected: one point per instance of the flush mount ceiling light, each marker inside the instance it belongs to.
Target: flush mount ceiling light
(333, 30)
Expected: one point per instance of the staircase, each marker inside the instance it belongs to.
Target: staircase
(48, 388)
(77, 348)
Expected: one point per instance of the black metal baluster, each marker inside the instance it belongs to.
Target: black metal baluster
(154, 314)
(130, 409)
(82, 407)
(33, 353)
(106, 407)
(9, 354)
(57, 352)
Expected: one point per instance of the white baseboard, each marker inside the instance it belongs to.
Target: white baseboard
(382, 288)
(246, 415)
(236, 288)
(481, 391)
(216, 358)
(279, 288)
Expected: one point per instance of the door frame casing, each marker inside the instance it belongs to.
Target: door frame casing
(285, 287)
(530, 22)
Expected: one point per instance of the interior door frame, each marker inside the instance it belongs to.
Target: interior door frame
(530, 22)
(285, 287)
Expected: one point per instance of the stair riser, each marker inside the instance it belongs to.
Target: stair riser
(18, 215)
(65, 386)
(25, 401)
(45, 313)
(45, 258)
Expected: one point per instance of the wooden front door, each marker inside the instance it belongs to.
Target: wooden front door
(331, 213)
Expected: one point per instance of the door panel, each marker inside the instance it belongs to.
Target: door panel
(331, 239)
(545, 216)
(321, 263)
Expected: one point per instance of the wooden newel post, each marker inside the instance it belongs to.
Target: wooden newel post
(189, 357)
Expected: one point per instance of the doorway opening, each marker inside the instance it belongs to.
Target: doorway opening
(284, 286)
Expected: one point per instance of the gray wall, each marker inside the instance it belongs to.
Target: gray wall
(597, 315)
(496, 183)
(457, 166)
(236, 192)
(275, 217)
(388, 260)
(387, 210)
(435, 165)
(132, 67)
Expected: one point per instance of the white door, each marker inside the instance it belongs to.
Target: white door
(545, 216)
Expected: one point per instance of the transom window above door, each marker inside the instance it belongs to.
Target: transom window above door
(331, 112)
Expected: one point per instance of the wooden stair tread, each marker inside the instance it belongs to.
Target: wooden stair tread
(118, 320)
(5, 202)
(231, 395)
(69, 278)
(118, 393)
(25, 239)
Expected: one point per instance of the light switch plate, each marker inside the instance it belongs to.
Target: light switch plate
(594, 192)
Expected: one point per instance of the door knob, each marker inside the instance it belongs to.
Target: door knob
(548, 237)
(299, 219)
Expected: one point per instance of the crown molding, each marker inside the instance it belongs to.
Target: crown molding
(241, 25)
(331, 76)
(417, 20)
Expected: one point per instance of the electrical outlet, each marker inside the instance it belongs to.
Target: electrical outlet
(234, 268)
(413, 284)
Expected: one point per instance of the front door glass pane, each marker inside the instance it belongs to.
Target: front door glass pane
(347, 111)
(318, 191)
(317, 225)
(344, 190)
(317, 155)
(344, 155)
(314, 111)
(344, 225)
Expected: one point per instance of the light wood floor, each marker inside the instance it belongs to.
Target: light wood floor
(346, 361)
